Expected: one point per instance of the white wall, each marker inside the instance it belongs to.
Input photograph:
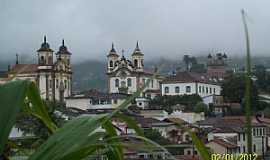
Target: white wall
(206, 89)
(80, 103)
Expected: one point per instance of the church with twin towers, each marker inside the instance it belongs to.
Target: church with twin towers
(52, 72)
(128, 75)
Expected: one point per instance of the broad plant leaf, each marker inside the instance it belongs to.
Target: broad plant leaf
(16, 96)
(12, 96)
(76, 135)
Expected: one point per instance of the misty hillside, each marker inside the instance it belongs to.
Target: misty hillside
(91, 74)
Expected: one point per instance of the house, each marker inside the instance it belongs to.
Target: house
(232, 128)
(187, 83)
(222, 146)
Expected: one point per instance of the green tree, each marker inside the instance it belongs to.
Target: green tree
(201, 107)
(233, 90)
(155, 135)
(167, 102)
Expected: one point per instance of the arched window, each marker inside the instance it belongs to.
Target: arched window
(129, 82)
(166, 89)
(136, 63)
(117, 83)
(177, 89)
(42, 61)
(111, 63)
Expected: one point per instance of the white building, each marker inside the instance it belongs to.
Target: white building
(127, 76)
(53, 78)
(94, 100)
(187, 83)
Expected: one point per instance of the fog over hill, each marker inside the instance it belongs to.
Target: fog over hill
(90, 74)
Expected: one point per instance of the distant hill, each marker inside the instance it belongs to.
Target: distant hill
(91, 74)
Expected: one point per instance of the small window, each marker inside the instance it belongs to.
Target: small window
(42, 60)
(188, 89)
(244, 136)
(203, 89)
(115, 101)
(188, 152)
(206, 89)
(166, 89)
(140, 103)
(111, 63)
(210, 90)
(177, 89)
(152, 83)
(117, 83)
(51, 83)
(254, 148)
(129, 82)
(136, 63)
(260, 132)
(200, 89)
(244, 149)
(57, 83)
(65, 84)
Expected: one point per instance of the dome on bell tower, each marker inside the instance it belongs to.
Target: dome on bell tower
(45, 46)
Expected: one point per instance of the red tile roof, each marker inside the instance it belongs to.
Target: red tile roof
(188, 77)
(24, 68)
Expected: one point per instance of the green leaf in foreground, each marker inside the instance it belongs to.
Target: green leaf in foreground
(76, 135)
(12, 96)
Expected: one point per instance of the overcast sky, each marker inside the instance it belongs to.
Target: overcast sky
(166, 28)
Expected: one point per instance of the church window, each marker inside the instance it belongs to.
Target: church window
(42, 60)
(117, 83)
(177, 89)
(188, 89)
(206, 89)
(57, 83)
(50, 83)
(129, 82)
(111, 63)
(200, 89)
(210, 90)
(166, 89)
(65, 84)
(136, 63)
(143, 81)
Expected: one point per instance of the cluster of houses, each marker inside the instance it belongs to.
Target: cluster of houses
(222, 134)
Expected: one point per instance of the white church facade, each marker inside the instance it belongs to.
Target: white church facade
(53, 77)
(127, 76)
